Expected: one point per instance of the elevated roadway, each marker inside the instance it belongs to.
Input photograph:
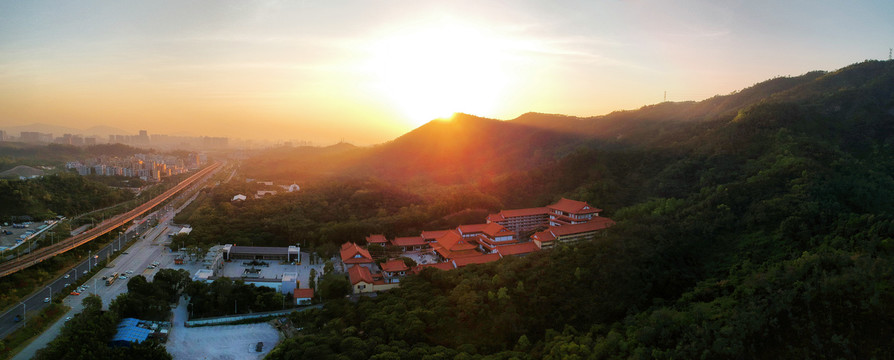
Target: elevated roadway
(73, 242)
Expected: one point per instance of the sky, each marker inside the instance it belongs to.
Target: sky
(366, 72)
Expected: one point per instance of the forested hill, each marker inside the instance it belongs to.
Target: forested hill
(467, 148)
(762, 231)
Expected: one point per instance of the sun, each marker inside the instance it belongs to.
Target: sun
(433, 72)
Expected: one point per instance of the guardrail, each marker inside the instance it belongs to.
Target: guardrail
(228, 319)
(73, 242)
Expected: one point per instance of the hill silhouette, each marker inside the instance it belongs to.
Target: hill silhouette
(468, 148)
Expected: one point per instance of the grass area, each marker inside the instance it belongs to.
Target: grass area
(37, 324)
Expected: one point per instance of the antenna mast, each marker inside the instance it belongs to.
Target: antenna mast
(665, 94)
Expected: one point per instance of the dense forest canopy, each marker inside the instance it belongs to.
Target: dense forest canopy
(751, 225)
(61, 194)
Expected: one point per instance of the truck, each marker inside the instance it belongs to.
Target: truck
(111, 279)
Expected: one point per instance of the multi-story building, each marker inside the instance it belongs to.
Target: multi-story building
(519, 220)
(563, 212)
(393, 270)
(570, 212)
(33, 137)
(569, 234)
(488, 236)
(352, 254)
(363, 281)
(452, 245)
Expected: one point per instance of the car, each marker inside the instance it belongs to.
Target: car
(85, 272)
(122, 277)
(68, 318)
(129, 271)
(66, 285)
(46, 300)
(150, 267)
(124, 253)
(67, 276)
(75, 293)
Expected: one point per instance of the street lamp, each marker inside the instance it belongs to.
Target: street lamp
(50, 291)
(24, 318)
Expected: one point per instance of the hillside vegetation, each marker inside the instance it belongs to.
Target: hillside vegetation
(61, 194)
(751, 225)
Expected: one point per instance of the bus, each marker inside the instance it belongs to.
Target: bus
(111, 279)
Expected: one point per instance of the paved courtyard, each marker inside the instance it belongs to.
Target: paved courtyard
(226, 342)
(274, 270)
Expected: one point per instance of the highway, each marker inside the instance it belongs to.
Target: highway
(35, 301)
(44, 253)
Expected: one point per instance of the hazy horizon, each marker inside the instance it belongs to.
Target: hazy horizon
(367, 73)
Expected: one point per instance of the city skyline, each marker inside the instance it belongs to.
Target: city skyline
(368, 72)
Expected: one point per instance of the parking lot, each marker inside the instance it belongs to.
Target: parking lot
(11, 234)
(226, 342)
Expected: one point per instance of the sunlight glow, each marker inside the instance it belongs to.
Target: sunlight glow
(436, 71)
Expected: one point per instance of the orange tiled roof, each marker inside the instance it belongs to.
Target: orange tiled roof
(453, 241)
(376, 239)
(573, 206)
(473, 228)
(442, 266)
(597, 223)
(447, 254)
(349, 252)
(359, 274)
(394, 265)
(431, 235)
(490, 229)
(480, 259)
(408, 241)
(545, 235)
(518, 249)
(494, 230)
(303, 294)
(519, 212)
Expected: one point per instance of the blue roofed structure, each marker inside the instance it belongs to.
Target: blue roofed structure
(130, 331)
